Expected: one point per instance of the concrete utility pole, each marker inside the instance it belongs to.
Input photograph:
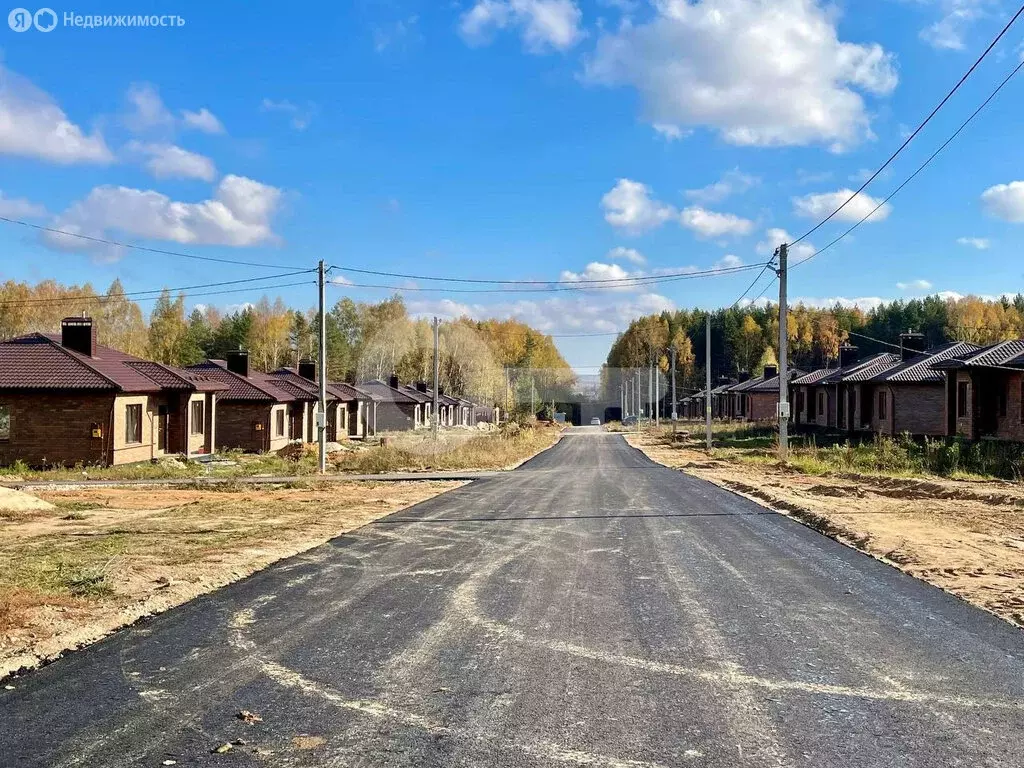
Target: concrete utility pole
(707, 376)
(657, 391)
(437, 364)
(639, 409)
(321, 415)
(783, 354)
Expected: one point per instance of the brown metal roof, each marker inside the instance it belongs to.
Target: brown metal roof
(918, 369)
(39, 361)
(257, 386)
(772, 384)
(386, 393)
(1002, 354)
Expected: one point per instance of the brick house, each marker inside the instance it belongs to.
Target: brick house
(350, 413)
(827, 397)
(65, 400)
(258, 411)
(984, 395)
(762, 398)
(910, 396)
(737, 400)
(397, 410)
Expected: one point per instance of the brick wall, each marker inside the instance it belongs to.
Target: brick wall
(1011, 426)
(236, 425)
(56, 428)
(395, 417)
(919, 409)
(762, 406)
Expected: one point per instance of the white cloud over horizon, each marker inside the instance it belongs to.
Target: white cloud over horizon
(818, 206)
(731, 65)
(914, 285)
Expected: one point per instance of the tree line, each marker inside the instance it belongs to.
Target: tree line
(745, 339)
(494, 361)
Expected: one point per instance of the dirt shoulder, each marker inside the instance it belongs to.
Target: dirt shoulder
(101, 558)
(966, 537)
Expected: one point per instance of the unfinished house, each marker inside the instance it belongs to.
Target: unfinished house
(66, 400)
(984, 392)
(258, 412)
(827, 398)
(910, 397)
(349, 411)
(397, 410)
(762, 398)
(738, 405)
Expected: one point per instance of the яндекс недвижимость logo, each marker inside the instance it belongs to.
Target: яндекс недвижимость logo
(22, 19)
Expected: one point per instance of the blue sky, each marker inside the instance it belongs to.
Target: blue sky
(515, 139)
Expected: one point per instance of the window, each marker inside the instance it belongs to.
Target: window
(133, 424)
(279, 423)
(5, 422)
(197, 418)
(883, 402)
(821, 403)
(800, 401)
(1004, 395)
(961, 399)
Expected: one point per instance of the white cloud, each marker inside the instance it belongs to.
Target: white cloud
(957, 17)
(33, 125)
(340, 280)
(670, 132)
(204, 120)
(865, 303)
(1005, 201)
(914, 285)
(711, 224)
(301, 117)
(597, 270)
(543, 24)
(729, 262)
(167, 161)
(629, 206)
(821, 205)
(626, 254)
(239, 214)
(732, 183)
(589, 314)
(20, 208)
(775, 237)
(761, 73)
(980, 243)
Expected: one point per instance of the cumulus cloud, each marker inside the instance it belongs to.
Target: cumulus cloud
(775, 237)
(711, 224)
(300, 117)
(761, 73)
(629, 206)
(914, 285)
(729, 262)
(167, 161)
(1005, 201)
(821, 205)
(239, 214)
(543, 24)
(204, 120)
(597, 270)
(732, 183)
(20, 208)
(33, 125)
(147, 113)
(980, 243)
(947, 33)
(626, 254)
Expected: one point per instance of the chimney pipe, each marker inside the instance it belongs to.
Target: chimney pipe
(848, 355)
(79, 335)
(238, 362)
(912, 344)
(744, 376)
(771, 371)
(421, 386)
(307, 369)
(393, 381)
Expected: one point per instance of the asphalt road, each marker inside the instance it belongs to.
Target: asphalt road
(589, 609)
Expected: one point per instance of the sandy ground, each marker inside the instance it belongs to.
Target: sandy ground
(966, 537)
(103, 558)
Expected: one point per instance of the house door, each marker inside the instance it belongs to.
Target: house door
(989, 402)
(161, 428)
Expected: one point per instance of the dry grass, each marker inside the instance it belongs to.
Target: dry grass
(69, 578)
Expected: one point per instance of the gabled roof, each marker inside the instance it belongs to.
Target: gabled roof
(40, 361)
(385, 393)
(918, 370)
(1002, 354)
(336, 390)
(867, 369)
(415, 394)
(815, 377)
(256, 387)
(772, 384)
(743, 386)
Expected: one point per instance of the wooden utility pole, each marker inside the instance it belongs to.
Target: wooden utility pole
(437, 368)
(321, 414)
(783, 354)
(707, 376)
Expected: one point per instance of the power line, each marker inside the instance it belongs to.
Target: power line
(146, 249)
(872, 338)
(752, 284)
(618, 281)
(194, 295)
(558, 286)
(923, 165)
(917, 130)
(127, 294)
